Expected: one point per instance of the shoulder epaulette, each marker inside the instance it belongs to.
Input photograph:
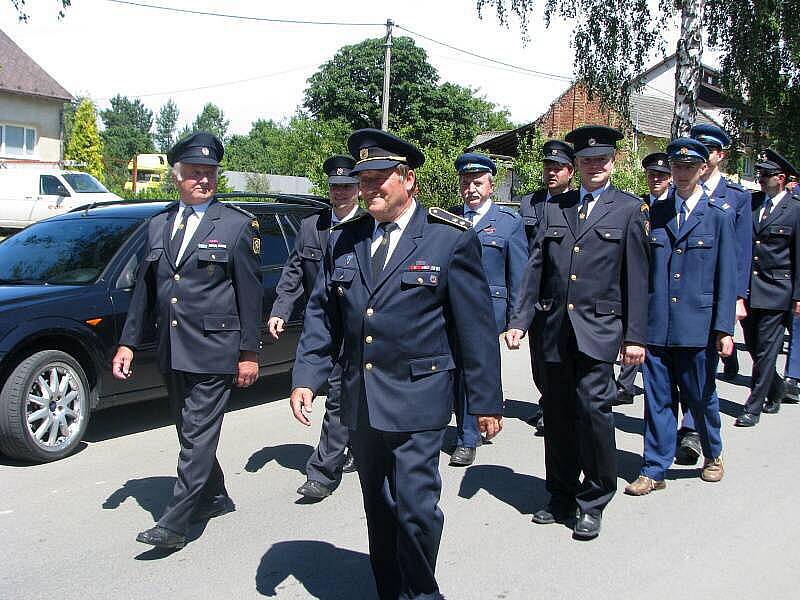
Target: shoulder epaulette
(355, 219)
(239, 209)
(734, 186)
(448, 217)
(508, 210)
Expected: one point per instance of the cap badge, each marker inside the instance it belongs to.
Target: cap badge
(363, 153)
(684, 150)
(339, 171)
(204, 150)
(554, 151)
(762, 156)
(592, 141)
(660, 163)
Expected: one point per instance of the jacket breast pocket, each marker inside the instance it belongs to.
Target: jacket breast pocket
(609, 234)
(410, 279)
(498, 292)
(213, 256)
(343, 276)
(530, 221)
(493, 241)
(555, 234)
(608, 308)
(700, 241)
(311, 253)
(428, 365)
(544, 305)
(779, 231)
(656, 241)
(218, 323)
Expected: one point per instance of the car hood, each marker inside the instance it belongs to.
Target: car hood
(12, 297)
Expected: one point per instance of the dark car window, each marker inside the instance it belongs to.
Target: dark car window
(273, 247)
(68, 252)
(51, 186)
(289, 230)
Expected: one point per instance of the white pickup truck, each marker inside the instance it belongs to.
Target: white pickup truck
(29, 195)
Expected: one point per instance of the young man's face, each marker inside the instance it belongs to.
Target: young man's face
(686, 176)
(556, 176)
(657, 182)
(595, 170)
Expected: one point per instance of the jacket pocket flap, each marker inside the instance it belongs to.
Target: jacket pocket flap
(779, 230)
(431, 364)
(609, 233)
(778, 274)
(493, 241)
(212, 255)
(656, 241)
(419, 278)
(530, 220)
(311, 253)
(343, 275)
(155, 254)
(555, 232)
(498, 291)
(544, 305)
(608, 308)
(221, 323)
(700, 241)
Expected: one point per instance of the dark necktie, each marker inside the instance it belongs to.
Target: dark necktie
(767, 209)
(379, 258)
(583, 212)
(471, 216)
(683, 214)
(177, 240)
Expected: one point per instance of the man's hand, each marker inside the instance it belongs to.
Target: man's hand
(724, 345)
(490, 425)
(247, 369)
(796, 308)
(513, 336)
(121, 363)
(300, 401)
(632, 354)
(275, 325)
(741, 309)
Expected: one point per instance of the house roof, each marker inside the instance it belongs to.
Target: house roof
(652, 115)
(20, 74)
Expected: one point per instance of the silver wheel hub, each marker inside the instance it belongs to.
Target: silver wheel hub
(55, 406)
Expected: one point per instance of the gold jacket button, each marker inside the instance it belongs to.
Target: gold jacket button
(573, 277)
(174, 300)
(368, 339)
(368, 366)
(679, 251)
(177, 277)
(433, 367)
(677, 275)
(571, 306)
(576, 249)
(174, 323)
(420, 280)
(370, 312)
(674, 299)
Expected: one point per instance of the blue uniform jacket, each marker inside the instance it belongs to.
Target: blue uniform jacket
(400, 336)
(739, 199)
(531, 209)
(208, 307)
(692, 274)
(594, 280)
(504, 253)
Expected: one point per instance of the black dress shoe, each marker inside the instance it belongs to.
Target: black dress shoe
(314, 489)
(553, 513)
(349, 463)
(161, 537)
(791, 391)
(746, 420)
(462, 457)
(214, 507)
(690, 449)
(623, 398)
(771, 407)
(587, 527)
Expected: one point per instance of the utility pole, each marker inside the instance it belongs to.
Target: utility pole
(387, 68)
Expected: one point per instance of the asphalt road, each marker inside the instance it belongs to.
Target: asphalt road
(68, 528)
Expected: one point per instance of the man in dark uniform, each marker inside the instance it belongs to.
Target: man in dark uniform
(327, 463)
(504, 254)
(691, 316)
(656, 168)
(557, 172)
(586, 296)
(402, 292)
(201, 277)
(791, 388)
(774, 283)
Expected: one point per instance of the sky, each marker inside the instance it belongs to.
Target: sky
(258, 70)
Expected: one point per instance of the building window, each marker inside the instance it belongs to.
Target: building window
(17, 141)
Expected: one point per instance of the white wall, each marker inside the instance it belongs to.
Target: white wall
(43, 115)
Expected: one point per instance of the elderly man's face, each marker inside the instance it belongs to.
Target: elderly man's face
(657, 182)
(386, 192)
(595, 170)
(475, 188)
(196, 183)
(556, 176)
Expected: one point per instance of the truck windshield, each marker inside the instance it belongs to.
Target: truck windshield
(63, 252)
(83, 183)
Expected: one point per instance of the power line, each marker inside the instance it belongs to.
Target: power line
(242, 17)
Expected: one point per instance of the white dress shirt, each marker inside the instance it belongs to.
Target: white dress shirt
(595, 195)
(394, 237)
(347, 217)
(773, 203)
(191, 224)
(710, 184)
(691, 201)
(480, 212)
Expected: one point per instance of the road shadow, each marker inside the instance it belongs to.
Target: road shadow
(289, 456)
(7, 461)
(524, 493)
(732, 409)
(519, 409)
(119, 421)
(325, 571)
(151, 493)
(629, 465)
(629, 424)
(740, 380)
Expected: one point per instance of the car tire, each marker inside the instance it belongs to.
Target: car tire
(44, 407)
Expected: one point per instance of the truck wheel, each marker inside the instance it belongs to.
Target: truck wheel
(44, 407)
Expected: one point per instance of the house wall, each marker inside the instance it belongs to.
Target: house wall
(41, 114)
(573, 109)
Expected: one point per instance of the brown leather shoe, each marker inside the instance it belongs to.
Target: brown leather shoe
(644, 485)
(713, 470)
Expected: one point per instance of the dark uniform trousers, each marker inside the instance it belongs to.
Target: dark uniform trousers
(403, 334)
(504, 253)
(295, 285)
(584, 294)
(774, 286)
(208, 310)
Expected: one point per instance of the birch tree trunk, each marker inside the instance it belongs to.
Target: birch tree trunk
(687, 67)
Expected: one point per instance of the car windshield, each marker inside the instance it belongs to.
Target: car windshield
(83, 183)
(64, 252)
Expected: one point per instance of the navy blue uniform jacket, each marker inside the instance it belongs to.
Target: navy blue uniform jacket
(775, 277)
(739, 199)
(401, 334)
(597, 279)
(302, 266)
(692, 274)
(531, 209)
(208, 307)
(504, 253)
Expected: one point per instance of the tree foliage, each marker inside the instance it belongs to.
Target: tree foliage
(84, 144)
(350, 87)
(127, 133)
(166, 122)
(212, 120)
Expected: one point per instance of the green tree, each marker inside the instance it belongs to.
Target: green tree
(166, 122)
(212, 120)
(350, 87)
(127, 133)
(84, 144)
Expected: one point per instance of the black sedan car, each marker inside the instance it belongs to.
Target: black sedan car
(65, 286)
